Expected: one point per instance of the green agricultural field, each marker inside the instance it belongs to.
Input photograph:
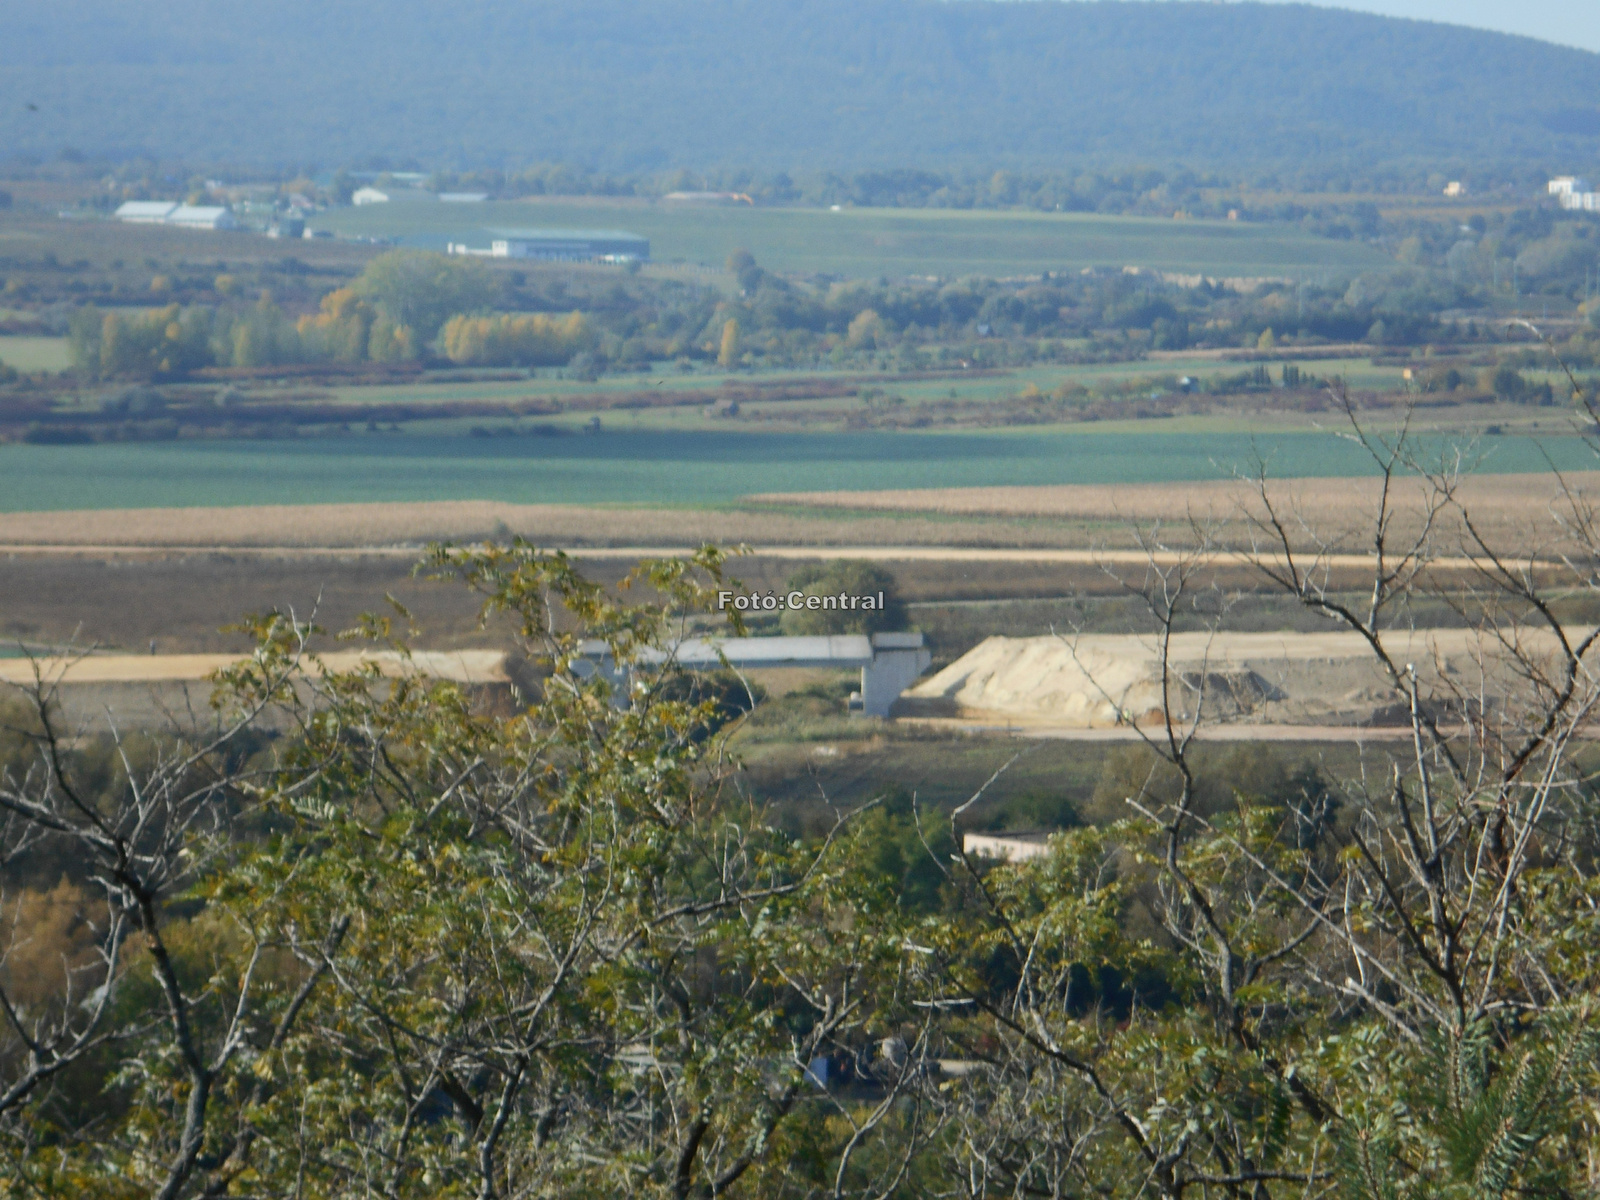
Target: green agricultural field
(35, 353)
(668, 468)
(893, 242)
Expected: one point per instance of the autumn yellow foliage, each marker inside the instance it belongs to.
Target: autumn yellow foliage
(729, 352)
(515, 339)
(340, 329)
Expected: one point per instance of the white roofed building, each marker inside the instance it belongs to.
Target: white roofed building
(1574, 194)
(146, 212)
(369, 195)
(1007, 847)
(562, 245)
(195, 216)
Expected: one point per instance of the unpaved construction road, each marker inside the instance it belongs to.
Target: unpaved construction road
(951, 554)
(1344, 734)
(460, 666)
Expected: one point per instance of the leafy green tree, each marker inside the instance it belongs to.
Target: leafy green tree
(420, 290)
(259, 337)
(427, 950)
(1507, 383)
(844, 577)
(742, 265)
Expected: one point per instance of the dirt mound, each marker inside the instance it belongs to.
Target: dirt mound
(1088, 682)
(1101, 681)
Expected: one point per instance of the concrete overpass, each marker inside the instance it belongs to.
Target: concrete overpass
(889, 662)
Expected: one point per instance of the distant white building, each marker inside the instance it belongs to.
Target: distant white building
(196, 216)
(1573, 193)
(167, 212)
(1007, 847)
(463, 197)
(145, 212)
(709, 198)
(561, 245)
(1455, 188)
(404, 195)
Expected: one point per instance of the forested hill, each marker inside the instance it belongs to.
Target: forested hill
(638, 84)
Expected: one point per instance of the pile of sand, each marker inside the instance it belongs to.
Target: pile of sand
(1099, 681)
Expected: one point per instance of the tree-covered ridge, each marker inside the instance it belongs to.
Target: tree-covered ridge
(792, 83)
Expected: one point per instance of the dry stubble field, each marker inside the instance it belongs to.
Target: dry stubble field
(1518, 512)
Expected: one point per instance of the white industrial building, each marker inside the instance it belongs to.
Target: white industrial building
(145, 212)
(394, 195)
(202, 216)
(560, 245)
(185, 216)
(1574, 194)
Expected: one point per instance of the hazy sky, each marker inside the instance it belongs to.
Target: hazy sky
(1568, 22)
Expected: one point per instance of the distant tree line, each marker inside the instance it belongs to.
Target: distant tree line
(395, 310)
(1452, 286)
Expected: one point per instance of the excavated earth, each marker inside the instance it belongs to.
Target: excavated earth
(1330, 679)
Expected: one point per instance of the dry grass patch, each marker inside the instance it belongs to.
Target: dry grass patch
(401, 525)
